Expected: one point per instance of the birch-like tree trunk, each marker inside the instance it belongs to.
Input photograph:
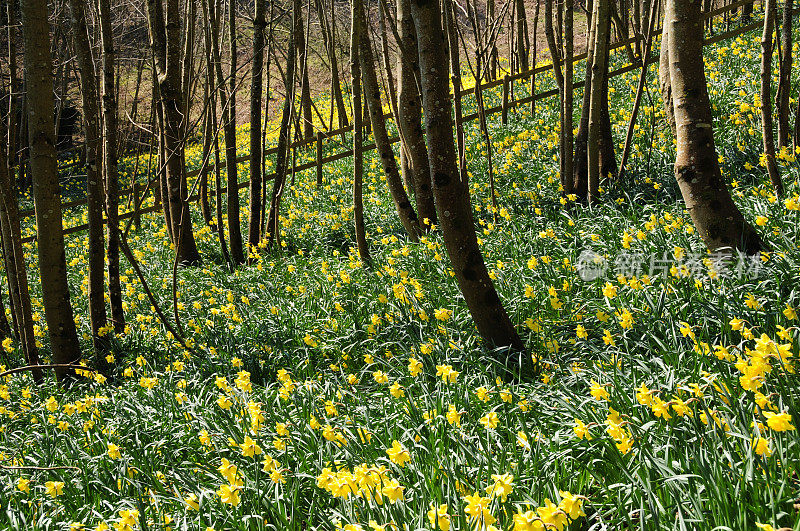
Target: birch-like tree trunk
(718, 221)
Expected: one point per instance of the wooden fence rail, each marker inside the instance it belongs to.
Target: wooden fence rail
(317, 139)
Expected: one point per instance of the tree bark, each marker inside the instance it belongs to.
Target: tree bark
(305, 86)
(608, 162)
(718, 221)
(358, 156)
(523, 48)
(409, 111)
(16, 269)
(766, 97)
(165, 40)
(110, 168)
(273, 217)
(232, 177)
(785, 79)
(94, 185)
(208, 135)
(372, 95)
(601, 18)
(747, 12)
(567, 135)
(46, 193)
(452, 193)
(327, 27)
(254, 221)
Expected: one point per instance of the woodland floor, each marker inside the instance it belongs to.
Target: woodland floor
(323, 394)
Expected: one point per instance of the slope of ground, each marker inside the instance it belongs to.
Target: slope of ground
(321, 394)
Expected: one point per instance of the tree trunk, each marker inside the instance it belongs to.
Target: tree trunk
(254, 226)
(409, 111)
(523, 42)
(372, 95)
(210, 31)
(494, 55)
(208, 135)
(94, 185)
(785, 82)
(358, 156)
(16, 268)
(555, 57)
(273, 228)
(766, 97)
(601, 18)
(608, 161)
(718, 221)
(644, 51)
(664, 79)
(567, 125)
(232, 180)
(327, 27)
(455, 78)
(165, 41)
(110, 165)
(46, 193)
(305, 87)
(452, 193)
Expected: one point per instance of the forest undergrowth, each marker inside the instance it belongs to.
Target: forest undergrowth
(318, 392)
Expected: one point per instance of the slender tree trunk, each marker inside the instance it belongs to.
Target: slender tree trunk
(608, 161)
(535, 55)
(493, 61)
(94, 184)
(358, 156)
(110, 168)
(595, 138)
(555, 54)
(161, 192)
(327, 27)
(46, 193)
(254, 227)
(785, 82)
(523, 48)
(273, 228)
(664, 78)
(644, 50)
(16, 268)
(208, 134)
(455, 78)
(409, 111)
(766, 97)
(234, 225)
(580, 159)
(14, 85)
(372, 95)
(305, 87)
(567, 125)
(718, 221)
(452, 193)
(165, 40)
